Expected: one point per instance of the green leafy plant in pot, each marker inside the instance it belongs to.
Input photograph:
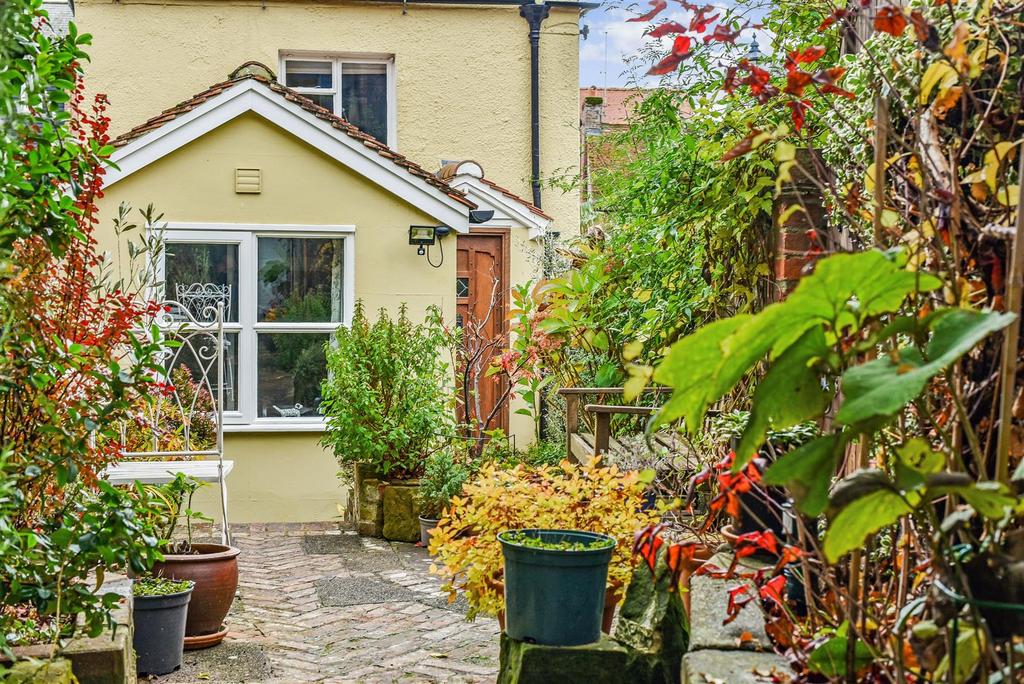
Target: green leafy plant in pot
(160, 607)
(443, 477)
(388, 404)
(555, 585)
(213, 568)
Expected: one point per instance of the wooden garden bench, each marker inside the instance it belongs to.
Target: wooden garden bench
(582, 444)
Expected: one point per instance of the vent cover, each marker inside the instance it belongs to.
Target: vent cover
(248, 181)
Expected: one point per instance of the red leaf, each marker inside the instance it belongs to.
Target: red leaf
(773, 588)
(701, 20)
(752, 542)
(760, 87)
(662, 30)
(833, 18)
(890, 20)
(807, 56)
(827, 78)
(728, 86)
(738, 597)
(921, 25)
(656, 8)
(648, 542)
(798, 112)
(681, 46)
(790, 554)
(667, 65)
(796, 81)
(723, 34)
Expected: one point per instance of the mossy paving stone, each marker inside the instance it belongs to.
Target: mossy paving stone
(355, 553)
(360, 591)
(231, 662)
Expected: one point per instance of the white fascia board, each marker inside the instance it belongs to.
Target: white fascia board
(488, 197)
(252, 96)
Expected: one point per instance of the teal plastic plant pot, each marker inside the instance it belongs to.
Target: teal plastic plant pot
(555, 597)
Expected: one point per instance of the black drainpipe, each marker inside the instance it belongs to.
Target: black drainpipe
(535, 16)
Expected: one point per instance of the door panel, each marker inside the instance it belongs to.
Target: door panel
(481, 291)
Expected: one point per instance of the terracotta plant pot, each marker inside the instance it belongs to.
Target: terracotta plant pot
(701, 555)
(214, 569)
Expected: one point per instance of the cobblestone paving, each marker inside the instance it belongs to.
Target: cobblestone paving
(317, 604)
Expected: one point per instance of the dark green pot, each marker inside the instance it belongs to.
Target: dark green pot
(555, 597)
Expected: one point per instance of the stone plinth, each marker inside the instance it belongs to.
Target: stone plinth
(603, 662)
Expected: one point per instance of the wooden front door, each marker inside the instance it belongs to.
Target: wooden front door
(481, 291)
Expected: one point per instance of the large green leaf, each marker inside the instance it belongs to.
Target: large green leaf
(880, 507)
(691, 367)
(829, 658)
(790, 393)
(914, 461)
(970, 644)
(883, 387)
(807, 472)
(862, 283)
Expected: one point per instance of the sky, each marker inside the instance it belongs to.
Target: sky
(614, 42)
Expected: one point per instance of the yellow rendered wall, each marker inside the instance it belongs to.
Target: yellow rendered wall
(462, 73)
(288, 477)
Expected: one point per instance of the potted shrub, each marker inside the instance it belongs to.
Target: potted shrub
(213, 568)
(443, 477)
(160, 606)
(388, 405)
(555, 585)
(495, 500)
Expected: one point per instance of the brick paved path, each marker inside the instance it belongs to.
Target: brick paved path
(319, 605)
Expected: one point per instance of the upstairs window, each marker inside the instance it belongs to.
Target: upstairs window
(360, 90)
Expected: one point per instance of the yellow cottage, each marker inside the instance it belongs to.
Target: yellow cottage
(257, 172)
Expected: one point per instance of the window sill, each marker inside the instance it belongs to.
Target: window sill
(277, 426)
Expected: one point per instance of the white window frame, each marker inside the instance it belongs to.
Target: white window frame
(247, 327)
(337, 59)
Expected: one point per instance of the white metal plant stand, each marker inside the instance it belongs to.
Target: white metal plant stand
(198, 334)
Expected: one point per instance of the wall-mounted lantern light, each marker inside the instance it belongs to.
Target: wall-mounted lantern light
(425, 237)
(422, 237)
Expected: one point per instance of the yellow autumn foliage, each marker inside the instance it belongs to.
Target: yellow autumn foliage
(585, 496)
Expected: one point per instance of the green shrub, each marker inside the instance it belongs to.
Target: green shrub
(443, 477)
(388, 398)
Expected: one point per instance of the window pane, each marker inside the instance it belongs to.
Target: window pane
(291, 367)
(307, 74)
(199, 275)
(300, 280)
(196, 354)
(364, 98)
(325, 101)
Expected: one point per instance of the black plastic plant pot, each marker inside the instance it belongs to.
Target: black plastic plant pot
(160, 631)
(555, 597)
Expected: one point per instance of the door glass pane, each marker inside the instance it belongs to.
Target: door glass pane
(364, 97)
(300, 280)
(199, 275)
(291, 367)
(307, 74)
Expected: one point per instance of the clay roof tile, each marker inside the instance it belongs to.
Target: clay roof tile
(259, 72)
